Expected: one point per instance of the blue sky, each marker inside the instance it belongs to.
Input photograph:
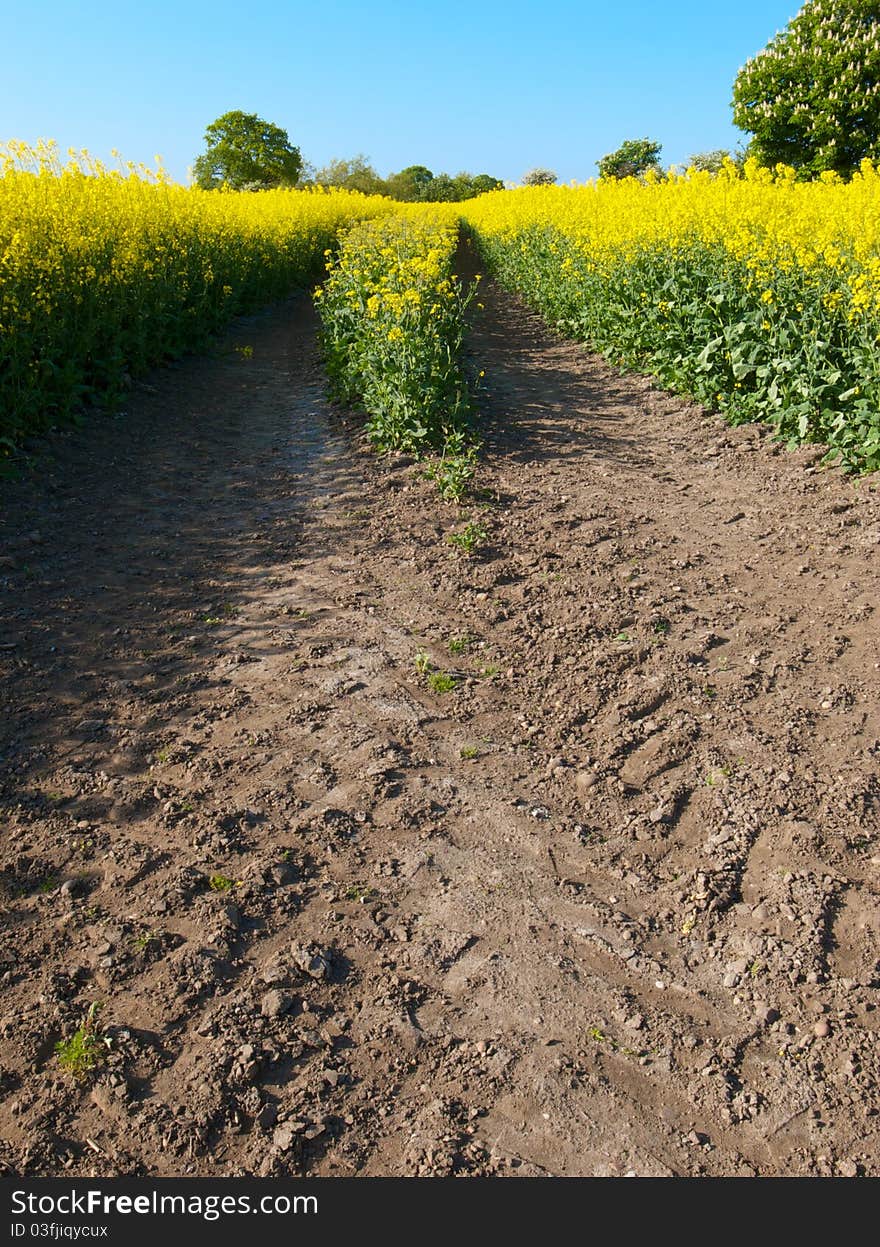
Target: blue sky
(482, 85)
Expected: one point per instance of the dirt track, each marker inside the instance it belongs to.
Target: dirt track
(609, 907)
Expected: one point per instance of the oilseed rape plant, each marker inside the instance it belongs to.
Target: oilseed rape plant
(104, 272)
(756, 294)
(393, 315)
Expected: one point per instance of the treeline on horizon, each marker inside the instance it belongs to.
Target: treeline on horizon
(415, 184)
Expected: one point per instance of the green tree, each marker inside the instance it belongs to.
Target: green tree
(411, 184)
(246, 153)
(483, 182)
(539, 177)
(356, 174)
(632, 159)
(443, 188)
(811, 98)
(419, 183)
(447, 189)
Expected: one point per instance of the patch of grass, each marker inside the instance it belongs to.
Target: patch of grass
(437, 681)
(468, 539)
(468, 752)
(84, 1049)
(488, 673)
(716, 776)
(459, 644)
(598, 1036)
(454, 470)
(361, 892)
(221, 884)
(441, 682)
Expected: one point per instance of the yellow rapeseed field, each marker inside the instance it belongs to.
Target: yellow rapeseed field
(756, 293)
(104, 272)
(393, 316)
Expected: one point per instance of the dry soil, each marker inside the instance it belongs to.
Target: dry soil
(608, 906)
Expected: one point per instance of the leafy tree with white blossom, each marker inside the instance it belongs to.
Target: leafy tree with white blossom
(811, 98)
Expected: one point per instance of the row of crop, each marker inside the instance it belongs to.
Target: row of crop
(757, 295)
(104, 273)
(393, 316)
